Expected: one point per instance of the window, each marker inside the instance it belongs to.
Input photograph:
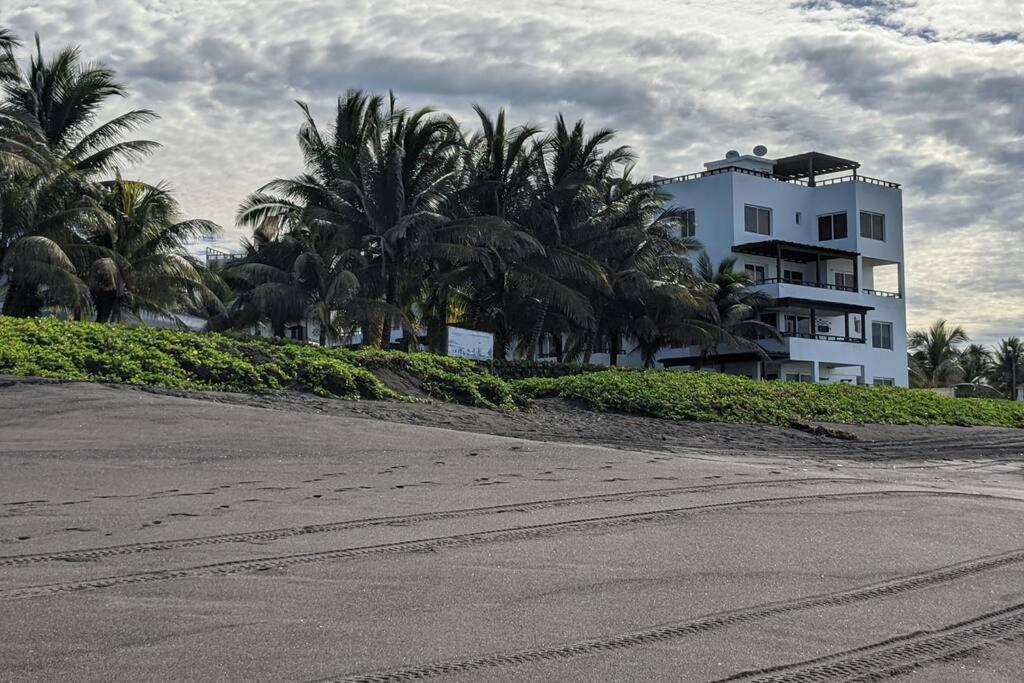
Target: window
(884, 382)
(798, 218)
(881, 335)
(856, 324)
(756, 273)
(872, 225)
(798, 377)
(845, 281)
(797, 324)
(757, 219)
(832, 227)
(688, 223)
(793, 275)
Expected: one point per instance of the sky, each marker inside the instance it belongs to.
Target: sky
(928, 93)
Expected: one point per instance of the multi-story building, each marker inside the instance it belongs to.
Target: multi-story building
(826, 243)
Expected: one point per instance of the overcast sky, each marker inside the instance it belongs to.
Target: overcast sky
(927, 93)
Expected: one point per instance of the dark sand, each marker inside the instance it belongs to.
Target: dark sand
(145, 535)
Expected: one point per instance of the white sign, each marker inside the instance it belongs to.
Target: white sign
(473, 344)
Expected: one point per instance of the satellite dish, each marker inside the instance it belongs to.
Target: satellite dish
(760, 150)
(732, 154)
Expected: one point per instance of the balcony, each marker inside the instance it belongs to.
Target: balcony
(883, 294)
(806, 283)
(823, 337)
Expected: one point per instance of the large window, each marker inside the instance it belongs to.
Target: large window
(832, 227)
(756, 273)
(845, 281)
(872, 225)
(884, 382)
(793, 275)
(688, 223)
(757, 219)
(796, 324)
(881, 335)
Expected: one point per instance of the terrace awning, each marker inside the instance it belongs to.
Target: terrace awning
(811, 164)
(821, 306)
(793, 252)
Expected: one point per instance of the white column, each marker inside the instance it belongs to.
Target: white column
(901, 270)
(814, 371)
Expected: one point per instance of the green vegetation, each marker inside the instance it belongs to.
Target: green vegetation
(726, 398)
(47, 347)
(397, 219)
(184, 360)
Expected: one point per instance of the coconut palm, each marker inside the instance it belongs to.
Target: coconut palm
(934, 355)
(64, 95)
(975, 362)
(575, 166)
(1007, 369)
(381, 177)
(137, 260)
(8, 43)
(733, 313)
(51, 156)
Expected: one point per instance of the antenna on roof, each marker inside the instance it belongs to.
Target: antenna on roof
(760, 150)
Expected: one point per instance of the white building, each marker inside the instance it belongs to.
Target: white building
(826, 243)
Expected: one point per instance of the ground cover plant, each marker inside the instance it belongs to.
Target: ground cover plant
(726, 398)
(47, 347)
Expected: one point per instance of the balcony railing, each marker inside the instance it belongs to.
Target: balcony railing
(823, 337)
(769, 176)
(878, 292)
(804, 283)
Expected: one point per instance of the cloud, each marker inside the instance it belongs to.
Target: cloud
(925, 93)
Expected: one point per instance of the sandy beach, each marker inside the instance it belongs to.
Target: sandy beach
(147, 535)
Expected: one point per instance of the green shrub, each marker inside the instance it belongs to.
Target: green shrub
(726, 398)
(523, 369)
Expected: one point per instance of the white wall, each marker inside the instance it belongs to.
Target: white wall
(718, 202)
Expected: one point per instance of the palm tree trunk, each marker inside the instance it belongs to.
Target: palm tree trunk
(105, 303)
(538, 329)
(613, 347)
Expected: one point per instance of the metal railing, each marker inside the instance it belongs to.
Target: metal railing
(805, 283)
(823, 337)
(881, 293)
(768, 176)
(859, 178)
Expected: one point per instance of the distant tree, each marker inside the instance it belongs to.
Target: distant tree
(935, 356)
(734, 313)
(1007, 361)
(975, 362)
(137, 259)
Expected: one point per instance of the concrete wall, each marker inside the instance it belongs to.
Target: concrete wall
(718, 202)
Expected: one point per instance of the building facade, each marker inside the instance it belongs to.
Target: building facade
(826, 243)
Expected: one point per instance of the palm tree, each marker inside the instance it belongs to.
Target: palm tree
(64, 96)
(137, 260)
(50, 157)
(1007, 369)
(8, 43)
(733, 313)
(934, 356)
(381, 179)
(975, 361)
(575, 166)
